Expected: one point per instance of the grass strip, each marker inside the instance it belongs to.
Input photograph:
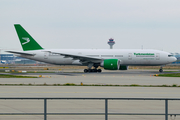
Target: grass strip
(72, 84)
(170, 71)
(15, 76)
(169, 75)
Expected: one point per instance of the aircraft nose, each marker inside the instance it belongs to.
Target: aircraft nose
(174, 59)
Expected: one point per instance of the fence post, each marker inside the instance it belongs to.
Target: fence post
(166, 109)
(106, 109)
(45, 109)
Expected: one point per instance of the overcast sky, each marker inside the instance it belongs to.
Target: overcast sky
(86, 24)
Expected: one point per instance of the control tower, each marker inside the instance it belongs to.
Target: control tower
(111, 42)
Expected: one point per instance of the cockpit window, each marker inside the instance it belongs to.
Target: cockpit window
(170, 55)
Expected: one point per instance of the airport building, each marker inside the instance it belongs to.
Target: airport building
(6, 58)
(12, 59)
(111, 42)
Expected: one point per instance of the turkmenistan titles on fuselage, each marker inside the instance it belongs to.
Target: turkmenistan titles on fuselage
(110, 59)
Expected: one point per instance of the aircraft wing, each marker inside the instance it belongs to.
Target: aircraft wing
(21, 53)
(82, 58)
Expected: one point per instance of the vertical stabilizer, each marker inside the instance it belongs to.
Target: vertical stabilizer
(27, 42)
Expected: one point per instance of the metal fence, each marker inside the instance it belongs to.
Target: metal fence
(106, 107)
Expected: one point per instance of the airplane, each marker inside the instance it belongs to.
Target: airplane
(3, 62)
(109, 59)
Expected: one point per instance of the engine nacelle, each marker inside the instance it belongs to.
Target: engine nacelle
(123, 67)
(111, 64)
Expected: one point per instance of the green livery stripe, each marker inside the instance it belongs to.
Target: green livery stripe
(27, 42)
(143, 53)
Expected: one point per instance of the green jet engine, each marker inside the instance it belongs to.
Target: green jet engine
(111, 64)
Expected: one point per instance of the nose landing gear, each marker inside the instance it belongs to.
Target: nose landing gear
(161, 69)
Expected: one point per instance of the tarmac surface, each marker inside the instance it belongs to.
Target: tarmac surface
(141, 77)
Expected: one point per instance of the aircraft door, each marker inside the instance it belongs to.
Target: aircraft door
(46, 54)
(130, 56)
(157, 56)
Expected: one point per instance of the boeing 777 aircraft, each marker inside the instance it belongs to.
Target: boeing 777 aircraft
(110, 59)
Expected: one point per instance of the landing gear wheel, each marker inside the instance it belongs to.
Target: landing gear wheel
(160, 70)
(89, 70)
(94, 70)
(85, 70)
(99, 70)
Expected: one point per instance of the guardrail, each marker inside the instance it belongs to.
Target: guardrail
(106, 107)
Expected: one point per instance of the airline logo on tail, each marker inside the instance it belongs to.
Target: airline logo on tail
(27, 41)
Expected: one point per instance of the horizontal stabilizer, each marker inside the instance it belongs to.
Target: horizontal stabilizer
(21, 53)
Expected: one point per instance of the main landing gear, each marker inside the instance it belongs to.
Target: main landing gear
(92, 70)
(90, 65)
(161, 69)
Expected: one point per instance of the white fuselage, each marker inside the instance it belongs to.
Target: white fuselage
(146, 57)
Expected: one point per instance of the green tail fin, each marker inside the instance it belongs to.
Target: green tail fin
(27, 42)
